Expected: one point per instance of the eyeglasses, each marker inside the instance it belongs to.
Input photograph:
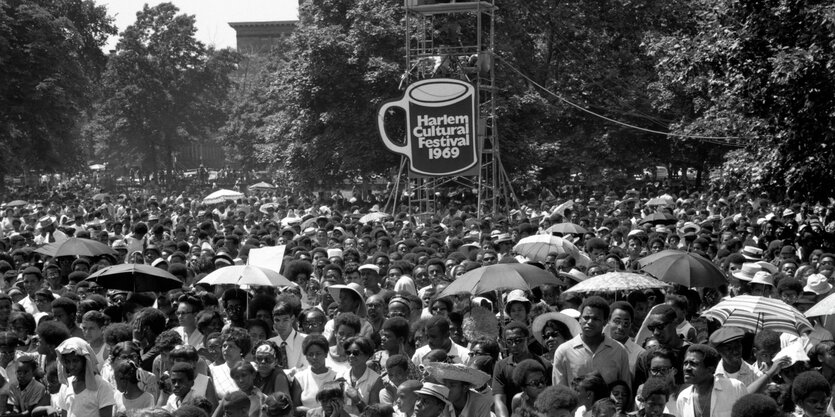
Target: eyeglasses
(264, 359)
(354, 353)
(475, 353)
(537, 384)
(515, 341)
(662, 371)
(550, 335)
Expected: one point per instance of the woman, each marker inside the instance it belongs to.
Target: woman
(208, 322)
(130, 351)
(312, 379)
(517, 306)
(258, 331)
(553, 329)
(312, 321)
(621, 395)
(359, 378)
(590, 387)
(23, 325)
(346, 326)
(269, 378)
(530, 375)
(234, 346)
(83, 393)
(394, 340)
(331, 402)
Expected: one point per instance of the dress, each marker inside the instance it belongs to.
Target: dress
(146, 400)
(311, 383)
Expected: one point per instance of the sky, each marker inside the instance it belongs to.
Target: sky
(212, 16)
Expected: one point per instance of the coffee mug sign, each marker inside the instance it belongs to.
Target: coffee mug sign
(441, 124)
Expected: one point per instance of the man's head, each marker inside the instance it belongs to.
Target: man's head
(437, 333)
(700, 364)
(406, 396)
(620, 320)
(516, 335)
(594, 312)
(431, 400)
(728, 342)
(661, 322)
(32, 280)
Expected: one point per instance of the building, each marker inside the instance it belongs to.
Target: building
(260, 37)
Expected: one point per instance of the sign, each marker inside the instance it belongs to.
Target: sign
(270, 257)
(441, 127)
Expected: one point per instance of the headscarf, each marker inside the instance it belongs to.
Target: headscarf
(80, 347)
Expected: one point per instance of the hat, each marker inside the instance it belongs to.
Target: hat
(456, 372)
(334, 253)
(516, 296)
(119, 244)
(787, 251)
(764, 278)
(46, 293)
(435, 390)
(223, 257)
(45, 221)
(353, 286)
(746, 273)
(690, 227)
(576, 275)
(768, 266)
(815, 283)
(752, 253)
(503, 237)
(541, 320)
(570, 312)
(369, 267)
(788, 212)
(660, 228)
(726, 334)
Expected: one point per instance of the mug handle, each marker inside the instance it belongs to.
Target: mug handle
(381, 114)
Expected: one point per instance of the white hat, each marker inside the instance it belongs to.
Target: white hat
(764, 278)
(818, 284)
(371, 267)
(752, 253)
(334, 253)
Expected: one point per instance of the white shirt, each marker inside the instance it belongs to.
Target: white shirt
(725, 393)
(295, 356)
(29, 305)
(85, 403)
(746, 374)
(194, 339)
(456, 354)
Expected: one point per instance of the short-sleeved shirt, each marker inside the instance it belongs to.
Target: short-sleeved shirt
(503, 377)
(27, 398)
(85, 403)
(574, 359)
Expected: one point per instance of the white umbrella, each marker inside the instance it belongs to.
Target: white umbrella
(97, 167)
(261, 186)
(245, 275)
(220, 196)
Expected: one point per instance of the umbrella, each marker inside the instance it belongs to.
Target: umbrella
(75, 247)
(374, 217)
(824, 307)
(500, 277)
(266, 206)
(97, 167)
(220, 196)
(245, 275)
(661, 201)
(16, 203)
(101, 196)
(262, 186)
(537, 247)
(617, 281)
(567, 229)
(311, 222)
(659, 218)
(135, 278)
(755, 313)
(683, 268)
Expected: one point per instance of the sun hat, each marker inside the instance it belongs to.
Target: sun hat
(503, 237)
(369, 267)
(541, 320)
(440, 371)
(768, 266)
(353, 286)
(764, 278)
(818, 284)
(746, 273)
(516, 296)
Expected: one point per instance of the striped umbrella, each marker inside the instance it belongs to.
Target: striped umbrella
(755, 313)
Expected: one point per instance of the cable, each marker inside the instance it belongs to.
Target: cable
(618, 122)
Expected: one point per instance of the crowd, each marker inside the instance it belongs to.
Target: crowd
(366, 329)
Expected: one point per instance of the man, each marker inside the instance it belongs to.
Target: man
(661, 324)
(32, 282)
(437, 335)
(466, 394)
(516, 337)
(432, 401)
(234, 303)
(350, 300)
(64, 311)
(620, 327)
(708, 395)
(376, 311)
(728, 342)
(370, 279)
(287, 338)
(591, 350)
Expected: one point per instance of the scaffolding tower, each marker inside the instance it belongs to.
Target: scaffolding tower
(456, 40)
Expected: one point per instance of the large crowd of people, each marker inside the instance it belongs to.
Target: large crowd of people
(366, 329)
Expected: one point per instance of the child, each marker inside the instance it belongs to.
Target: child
(244, 376)
(27, 393)
(406, 398)
(93, 324)
(654, 395)
(235, 404)
(603, 407)
(82, 393)
(397, 372)
(129, 396)
(182, 385)
(53, 386)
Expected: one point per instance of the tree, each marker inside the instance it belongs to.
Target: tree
(162, 89)
(761, 71)
(50, 58)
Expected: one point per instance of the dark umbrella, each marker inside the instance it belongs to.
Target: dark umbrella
(500, 277)
(75, 247)
(683, 268)
(659, 218)
(135, 278)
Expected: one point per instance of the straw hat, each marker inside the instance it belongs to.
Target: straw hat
(541, 320)
(746, 273)
(435, 390)
(763, 278)
(353, 286)
(440, 371)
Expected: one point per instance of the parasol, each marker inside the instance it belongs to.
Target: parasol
(262, 186)
(683, 268)
(374, 217)
(135, 278)
(658, 218)
(567, 229)
(246, 275)
(537, 247)
(75, 247)
(220, 196)
(754, 313)
(617, 281)
(500, 277)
